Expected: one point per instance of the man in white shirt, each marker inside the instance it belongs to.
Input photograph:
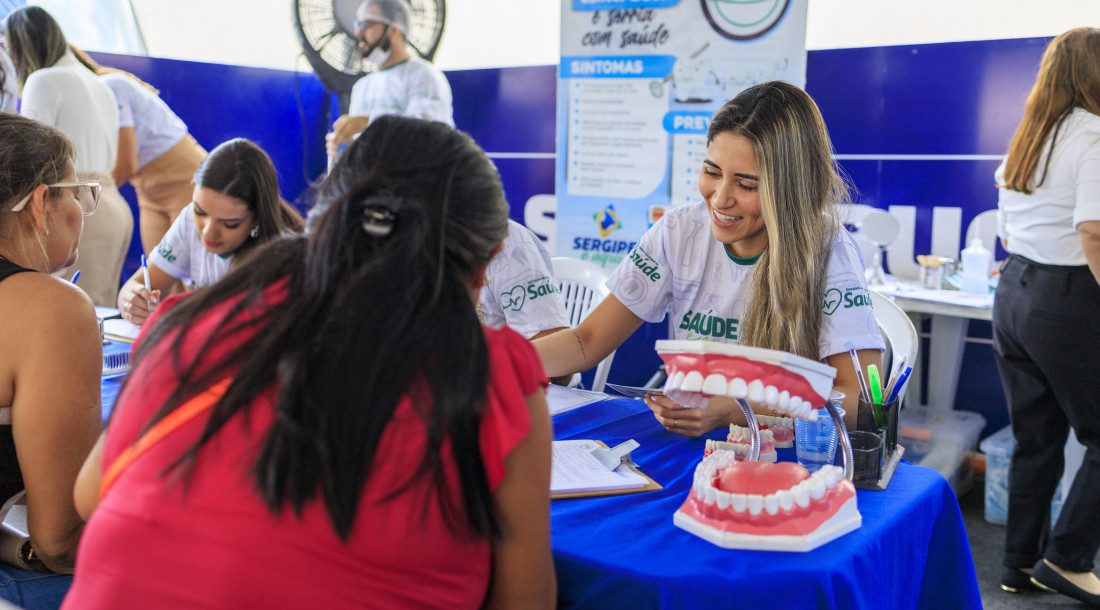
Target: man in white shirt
(403, 84)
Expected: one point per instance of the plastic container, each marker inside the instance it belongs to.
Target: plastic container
(815, 441)
(940, 439)
(976, 261)
(998, 448)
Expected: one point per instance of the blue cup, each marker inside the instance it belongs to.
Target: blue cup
(815, 441)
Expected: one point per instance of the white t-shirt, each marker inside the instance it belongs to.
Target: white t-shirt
(9, 97)
(414, 88)
(181, 255)
(679, 268)
(520, 289)
(68, 96)
(1042, 226)
(157, 128)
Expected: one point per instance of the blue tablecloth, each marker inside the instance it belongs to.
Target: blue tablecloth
(624, 552)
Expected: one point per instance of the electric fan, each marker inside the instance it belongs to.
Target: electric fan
(326, 31)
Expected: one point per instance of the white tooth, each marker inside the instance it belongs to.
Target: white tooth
(738, 388)
(817, 487)
(756, 391)
(784, 400)
(715, 385)
(755, 503)
(795, 406)
(830, 477)
(802, 494)
(675, 381)
(811, 414)
(771, 504)
(786, 500)
(708, 494)
(693, 382)
(771, 395)
(722, 498)
(697, 487)
(737, 502)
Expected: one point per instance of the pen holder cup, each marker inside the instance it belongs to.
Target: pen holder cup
(888, 429)
(867, 456)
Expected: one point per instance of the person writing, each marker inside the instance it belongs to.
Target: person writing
(368, 431)
(51, 359)
(762, 260)
(1045, 328)
(402, 84)
(236, 207)
(156, 154)
(58, 91)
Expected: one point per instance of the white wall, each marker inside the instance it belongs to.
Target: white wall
(493, 33)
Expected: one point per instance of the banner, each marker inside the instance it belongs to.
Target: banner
(638, 83)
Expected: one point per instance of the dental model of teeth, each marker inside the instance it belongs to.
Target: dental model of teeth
(763, 506)
(738, 441)
(736, 503)
(782, 429)
(698, 370)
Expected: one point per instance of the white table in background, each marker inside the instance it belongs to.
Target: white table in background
(950, 312)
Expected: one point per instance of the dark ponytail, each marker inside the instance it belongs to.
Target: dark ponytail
(378, 309)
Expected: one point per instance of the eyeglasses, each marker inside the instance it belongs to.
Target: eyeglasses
(88, 204)
(366, 23)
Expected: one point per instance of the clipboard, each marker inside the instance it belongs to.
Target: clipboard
(650, 485)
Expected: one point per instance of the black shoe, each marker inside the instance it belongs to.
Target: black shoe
(1015, 580)
(1047, 578)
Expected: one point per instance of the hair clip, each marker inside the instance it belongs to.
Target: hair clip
(380, 214)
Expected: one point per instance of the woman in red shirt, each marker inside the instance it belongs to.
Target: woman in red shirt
(375, 446)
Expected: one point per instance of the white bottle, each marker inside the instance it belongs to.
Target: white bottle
(976, 261)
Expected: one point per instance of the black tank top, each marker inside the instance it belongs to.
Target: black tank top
(11, 478)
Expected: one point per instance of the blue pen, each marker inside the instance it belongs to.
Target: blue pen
(75, 276)
(145, 272)
(899, 384)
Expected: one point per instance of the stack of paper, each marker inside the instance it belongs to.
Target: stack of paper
(561, 399)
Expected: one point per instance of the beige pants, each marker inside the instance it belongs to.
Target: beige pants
(103, 244)
(164, 187)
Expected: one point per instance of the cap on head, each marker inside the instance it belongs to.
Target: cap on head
(391, 12)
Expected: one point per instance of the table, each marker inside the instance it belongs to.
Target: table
(950, 317)
(624, 552)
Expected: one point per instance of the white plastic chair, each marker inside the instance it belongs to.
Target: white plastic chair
(583, 286)
(898, 331)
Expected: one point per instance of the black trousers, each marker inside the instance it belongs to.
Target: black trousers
(1046, 338)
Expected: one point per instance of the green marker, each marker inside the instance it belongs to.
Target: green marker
(875, 382)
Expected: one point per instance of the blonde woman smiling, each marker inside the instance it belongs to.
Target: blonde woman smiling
(761, 260)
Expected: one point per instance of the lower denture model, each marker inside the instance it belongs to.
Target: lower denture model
(736, 503)
(738, 441)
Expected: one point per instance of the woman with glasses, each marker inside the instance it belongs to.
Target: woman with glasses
(235, 207)
(50, 359)
(58, 91)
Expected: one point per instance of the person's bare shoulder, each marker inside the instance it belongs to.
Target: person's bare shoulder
(37, 304)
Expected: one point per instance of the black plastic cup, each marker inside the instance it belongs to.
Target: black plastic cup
(866, 456)
(865, 422)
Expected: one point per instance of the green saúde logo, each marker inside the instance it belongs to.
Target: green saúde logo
(705, 325)
(645, 263)
(517, 297)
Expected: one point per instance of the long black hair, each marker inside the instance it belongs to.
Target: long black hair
(242, 170)
(378, 308)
